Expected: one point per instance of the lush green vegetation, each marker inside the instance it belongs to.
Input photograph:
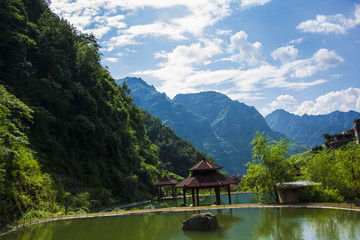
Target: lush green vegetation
(337, 171)
(23, 186)
(71, 134)
(268, 168)
(86, 131)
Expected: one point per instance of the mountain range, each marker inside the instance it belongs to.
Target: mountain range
(214, 123)
(309, 129)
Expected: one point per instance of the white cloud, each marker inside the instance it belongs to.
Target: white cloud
(178, 72)
(111, 60)
(223, 32)
(326, 59)
(83, 14)
(344, 100)
(244, 96)
(338, 23)
(122, 40)
(98, 32)
(286, 102)
(183, 71)
(307, 69)
(87, 16)
(243, 50)
(296, 41)
(251, 3)
(196, 53)
(127, 36)
(335, 76)
(323, 59)
(285, 54)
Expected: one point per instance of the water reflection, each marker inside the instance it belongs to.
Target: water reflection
(252, 223)
(278, 224)
(299, 223)
(335, 224)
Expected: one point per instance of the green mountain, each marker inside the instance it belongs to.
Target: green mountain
(309, 129)
(85, 131)
(211, 121)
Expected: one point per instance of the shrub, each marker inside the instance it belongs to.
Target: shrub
(150, 206)
(316, 193)
(165, 205)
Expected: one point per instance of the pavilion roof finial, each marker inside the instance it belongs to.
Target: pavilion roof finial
(204, 165)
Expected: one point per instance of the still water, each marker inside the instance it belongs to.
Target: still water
(244, 223)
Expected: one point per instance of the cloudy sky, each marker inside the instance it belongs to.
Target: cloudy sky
(299, 55)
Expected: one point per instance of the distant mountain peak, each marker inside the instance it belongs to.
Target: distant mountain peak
(309, 129)
(138, 81)
(214, 123)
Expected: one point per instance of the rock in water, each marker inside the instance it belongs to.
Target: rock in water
(201, 222)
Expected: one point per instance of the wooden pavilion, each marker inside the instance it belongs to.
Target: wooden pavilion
(166, 181)
(205, 175)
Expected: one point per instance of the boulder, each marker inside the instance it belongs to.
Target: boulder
(201, 222)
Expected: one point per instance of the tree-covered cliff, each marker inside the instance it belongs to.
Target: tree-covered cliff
(85, 132)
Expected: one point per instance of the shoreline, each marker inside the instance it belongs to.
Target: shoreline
(336, 206)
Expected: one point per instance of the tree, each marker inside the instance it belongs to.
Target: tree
(336, 170)
(23, 186)
(269, 167)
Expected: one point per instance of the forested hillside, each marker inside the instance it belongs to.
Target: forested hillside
(175, 154)
(22, 184)
(85, 131)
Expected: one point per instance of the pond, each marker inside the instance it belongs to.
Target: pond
(241, 223)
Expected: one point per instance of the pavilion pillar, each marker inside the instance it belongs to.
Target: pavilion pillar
(197, 197)
(184, 192)
(217, 193)
(229, 194)
(193, 196)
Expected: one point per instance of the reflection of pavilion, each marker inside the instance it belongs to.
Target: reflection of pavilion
(204, 175)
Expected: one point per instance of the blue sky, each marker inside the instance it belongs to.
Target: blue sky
(299, 55)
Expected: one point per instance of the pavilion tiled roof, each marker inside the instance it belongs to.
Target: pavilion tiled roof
(205, 165)
(165, 181)
(205, 180)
